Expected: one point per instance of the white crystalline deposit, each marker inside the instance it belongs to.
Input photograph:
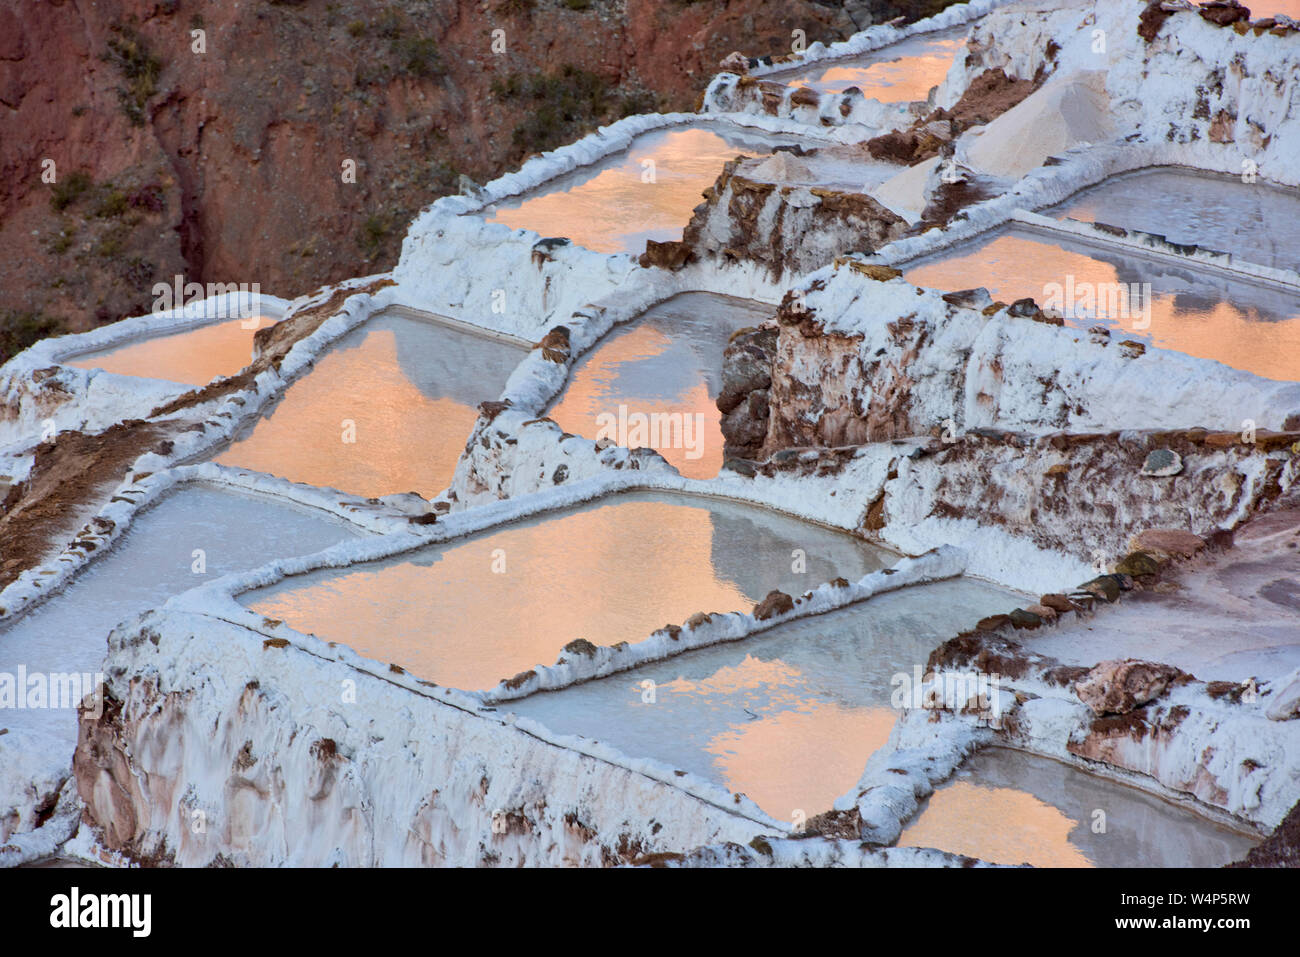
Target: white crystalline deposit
(1216, 98)
(1014, 373)
(301, 761)
(1069, 111)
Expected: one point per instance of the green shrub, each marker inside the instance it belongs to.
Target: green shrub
(128, 52)
(66, 193)
(18, 330)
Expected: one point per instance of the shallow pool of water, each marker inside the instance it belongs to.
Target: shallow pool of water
(1006, 807)
(387, 409)
(900, 73)
(652, 382)
(1241, 324)
(194, 357)
(788, 717)
(471, 613)
(645, 192)
(195, 534)
(1255, 222)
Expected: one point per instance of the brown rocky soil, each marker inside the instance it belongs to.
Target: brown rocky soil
(1279, 849)
(227, 165)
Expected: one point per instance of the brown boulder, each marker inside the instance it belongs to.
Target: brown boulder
(1170, 542)
(1224, 13)
(1119, 686)
(776, 603)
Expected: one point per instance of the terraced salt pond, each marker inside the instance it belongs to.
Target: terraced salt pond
(156, 558)
(470, 613)
(788, 717)
(387, 409)
(645, 192)
(194, 357)
(1250, 326)
(900, 73)
(658, 377)
(1256, 222)
(1011, 808)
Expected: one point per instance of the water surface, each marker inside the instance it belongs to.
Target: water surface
(1006, 807)
(1242, 324)
(194, 357)
(900, 73)
(788, 717)
(666, 363)
(1255, 222)
(645, 192)
(387, 409)
(471, 613)
(195, 534)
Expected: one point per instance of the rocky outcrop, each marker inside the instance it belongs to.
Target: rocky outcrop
(746, 378)
(1117, 687)
(786, 228)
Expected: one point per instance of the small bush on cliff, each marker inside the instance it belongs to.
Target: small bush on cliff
(66, 193)
(18, 330)
(372, 235)
(128, 52)
(562, 105)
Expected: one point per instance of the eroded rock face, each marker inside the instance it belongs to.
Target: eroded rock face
(1117, 687)
(786, 228)
(746, 378)
(275, 785)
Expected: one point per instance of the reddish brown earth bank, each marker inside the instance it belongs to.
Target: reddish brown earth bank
(214, 140)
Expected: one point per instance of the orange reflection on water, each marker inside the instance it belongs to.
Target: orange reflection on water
(1013, 267)
(801, 759)
(404, 440)
(802, 751)
(616, 210)
(194, 357)
(591, 392)
(455, 620)
(998, 825)
(890, 81)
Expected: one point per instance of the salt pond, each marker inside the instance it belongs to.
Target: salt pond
(195, 534)
(1256, 222)
(900, 73)
(470, 613)
(1006, 807)
(666, 363)
(1200, 312)
(194, 357)
(645, 192)
(387, 409)
(790, 716)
